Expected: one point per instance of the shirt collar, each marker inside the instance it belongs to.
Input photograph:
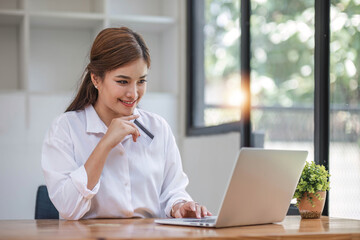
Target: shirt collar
(93, 122)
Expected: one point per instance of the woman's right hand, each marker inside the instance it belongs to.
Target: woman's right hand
(119, 128)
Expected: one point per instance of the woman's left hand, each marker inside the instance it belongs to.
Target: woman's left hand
(189, 210)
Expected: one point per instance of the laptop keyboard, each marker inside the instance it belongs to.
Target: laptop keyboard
(201, 220)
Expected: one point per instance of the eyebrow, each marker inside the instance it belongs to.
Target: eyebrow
(127, 77)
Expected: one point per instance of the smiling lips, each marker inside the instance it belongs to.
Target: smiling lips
(128, 104)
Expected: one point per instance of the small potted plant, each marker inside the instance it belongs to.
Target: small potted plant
(311, 190)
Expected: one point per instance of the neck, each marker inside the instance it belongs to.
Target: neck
(106, 115)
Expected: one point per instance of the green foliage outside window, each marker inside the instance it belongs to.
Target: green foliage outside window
(345, 52)
(282, 46)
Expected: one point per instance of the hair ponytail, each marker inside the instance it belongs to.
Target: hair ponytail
(86, 95)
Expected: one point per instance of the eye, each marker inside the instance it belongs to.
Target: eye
(142, 81)
(122, 81)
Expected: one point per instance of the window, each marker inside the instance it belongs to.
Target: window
(345, 109)
(215, 34)
(298, 100)
(282, 73)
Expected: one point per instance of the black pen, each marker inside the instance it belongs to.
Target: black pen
(137, 123)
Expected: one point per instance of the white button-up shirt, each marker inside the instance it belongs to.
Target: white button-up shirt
(139, 179)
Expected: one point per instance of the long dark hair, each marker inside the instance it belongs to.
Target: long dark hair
(112, 48)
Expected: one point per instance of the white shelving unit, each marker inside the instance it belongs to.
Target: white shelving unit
(45, 43)
(44, 48)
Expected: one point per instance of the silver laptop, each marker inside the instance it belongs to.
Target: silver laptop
(259, 191)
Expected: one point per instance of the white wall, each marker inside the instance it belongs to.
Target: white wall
(208, 162)
(21, 135)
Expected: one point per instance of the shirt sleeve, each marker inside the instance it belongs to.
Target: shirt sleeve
(175, 180)
(65, 180)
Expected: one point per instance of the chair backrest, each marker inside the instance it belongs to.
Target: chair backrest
(44, 209)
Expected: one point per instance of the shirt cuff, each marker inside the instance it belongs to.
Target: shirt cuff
(79, 179)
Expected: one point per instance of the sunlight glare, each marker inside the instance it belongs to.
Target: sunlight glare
(236, 97)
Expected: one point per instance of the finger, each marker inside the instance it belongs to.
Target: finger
(129, 118)
(133, 126)
(190, 206)
(188, 210)
(204, 211)
(178, 214)
(198, 211)
(135, 135)
(134, 130)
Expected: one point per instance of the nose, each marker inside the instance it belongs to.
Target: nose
(131, 91)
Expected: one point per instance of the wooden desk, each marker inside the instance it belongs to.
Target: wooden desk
(292, 228)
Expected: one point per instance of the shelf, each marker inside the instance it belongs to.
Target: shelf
(57, 64)
(66, 19)
(11, 4)
(5, 92)
(13, 109)
(11, 17)
(142, 7)
(51, 93)
(9, 58)
(83, 6)
(142, 23)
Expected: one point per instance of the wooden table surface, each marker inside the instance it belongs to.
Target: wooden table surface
(291, 228)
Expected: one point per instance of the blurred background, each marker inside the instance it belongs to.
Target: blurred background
(44, 48)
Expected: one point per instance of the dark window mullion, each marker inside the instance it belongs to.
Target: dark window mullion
(322, 85)
(245, 121)
(196, 72)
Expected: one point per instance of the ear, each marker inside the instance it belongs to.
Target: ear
(94, 79)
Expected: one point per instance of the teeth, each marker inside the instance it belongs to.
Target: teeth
(126, 102)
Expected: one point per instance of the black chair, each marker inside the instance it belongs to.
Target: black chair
(293, 211)
(44, 209)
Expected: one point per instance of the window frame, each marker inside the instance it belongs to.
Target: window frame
(321, 80)
(195, 60)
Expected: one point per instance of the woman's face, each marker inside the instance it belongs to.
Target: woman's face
(121, 89)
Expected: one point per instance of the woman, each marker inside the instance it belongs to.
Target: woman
(105, 158)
